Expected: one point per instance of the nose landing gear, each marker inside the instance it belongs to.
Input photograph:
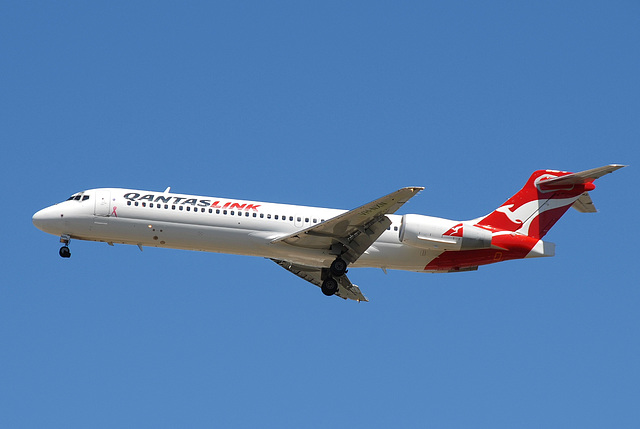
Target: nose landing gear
(64, 250)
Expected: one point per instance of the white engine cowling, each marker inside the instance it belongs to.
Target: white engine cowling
(436, 233)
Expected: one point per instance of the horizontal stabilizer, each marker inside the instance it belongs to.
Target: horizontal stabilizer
(584, 204)
(583, 176)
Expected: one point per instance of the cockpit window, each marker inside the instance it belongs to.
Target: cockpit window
(78, 197)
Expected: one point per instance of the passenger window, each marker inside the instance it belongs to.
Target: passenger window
(181, 207)
(224, 212)
(210, 210)
(128, 203)
(246, 214)
(232, 212)
(151, 205)
(315, 221)
(255, 215)
(395, 228)
(261, 215)
(173, 207)
(306, 219)
(268, 216)
(217, 211)
(299, 219)
(136, 204)
(276, 217)
(166, 206)
(291, 218)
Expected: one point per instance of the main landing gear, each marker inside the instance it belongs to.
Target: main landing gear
(64, 250)
(329, 286)
(337, 269)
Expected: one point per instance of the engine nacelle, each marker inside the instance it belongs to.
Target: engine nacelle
(435, 233)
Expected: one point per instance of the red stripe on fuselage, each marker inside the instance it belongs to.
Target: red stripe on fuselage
(507, 247)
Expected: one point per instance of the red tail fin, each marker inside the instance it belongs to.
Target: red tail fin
(547, 195)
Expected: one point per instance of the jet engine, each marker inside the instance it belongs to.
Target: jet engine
(434, 233)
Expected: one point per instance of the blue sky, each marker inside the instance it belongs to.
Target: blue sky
(333, 105)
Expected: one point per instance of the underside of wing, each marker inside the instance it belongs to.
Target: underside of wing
(315, 275)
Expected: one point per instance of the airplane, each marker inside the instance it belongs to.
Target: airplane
(320, 244)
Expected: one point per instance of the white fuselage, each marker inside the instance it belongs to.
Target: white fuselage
(212, 224)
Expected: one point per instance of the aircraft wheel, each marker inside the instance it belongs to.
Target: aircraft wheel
(338, 267)
(65, 252)
(329, 286)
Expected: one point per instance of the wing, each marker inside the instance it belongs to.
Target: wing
(351, 233)
(346, 289)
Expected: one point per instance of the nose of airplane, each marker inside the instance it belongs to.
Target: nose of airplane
(45, 218)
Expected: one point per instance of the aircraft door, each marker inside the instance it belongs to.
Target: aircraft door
(102, 204)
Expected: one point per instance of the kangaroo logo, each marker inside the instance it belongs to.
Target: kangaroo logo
(512, 215)
(455, 231)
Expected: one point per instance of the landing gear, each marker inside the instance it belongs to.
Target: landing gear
(64, 250)
(329, 286)
(338, 267)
